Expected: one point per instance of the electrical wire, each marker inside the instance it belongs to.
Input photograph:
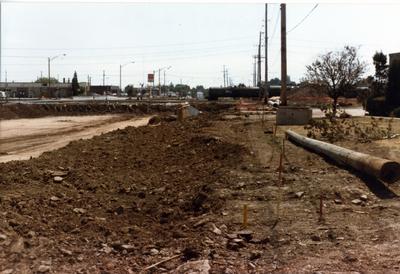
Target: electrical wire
(139, 46)
(275, 27)
(302, 20)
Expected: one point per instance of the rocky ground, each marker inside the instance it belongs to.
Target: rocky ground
(172, 196)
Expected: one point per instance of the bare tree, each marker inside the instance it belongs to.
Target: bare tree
(337, 72)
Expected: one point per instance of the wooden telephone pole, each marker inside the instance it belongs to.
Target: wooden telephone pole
(266, 93)
(283, 56)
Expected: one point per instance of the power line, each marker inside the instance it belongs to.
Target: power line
(139, 46)
(275, 27)
(302, 20)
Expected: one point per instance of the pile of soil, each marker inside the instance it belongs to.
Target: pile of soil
(14, 111)
(126, 200)
(312, 96)
(129, 197)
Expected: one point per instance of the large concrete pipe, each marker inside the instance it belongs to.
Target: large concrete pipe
(383, 169)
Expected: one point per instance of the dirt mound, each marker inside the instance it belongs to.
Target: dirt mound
(14, 111)
(123, 195)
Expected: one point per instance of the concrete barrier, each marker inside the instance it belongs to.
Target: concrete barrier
(293, 115)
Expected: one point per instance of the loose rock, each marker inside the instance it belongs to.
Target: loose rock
(194, 267)
(357, 201)
(58, 179)
(43, 269)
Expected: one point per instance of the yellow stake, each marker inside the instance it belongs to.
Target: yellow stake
(244, 216)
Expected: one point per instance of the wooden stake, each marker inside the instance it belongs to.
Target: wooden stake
(280, 169)
(245, 216)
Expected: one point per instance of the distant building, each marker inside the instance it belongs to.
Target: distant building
(103, 90)
(36, 90)
(394, 57)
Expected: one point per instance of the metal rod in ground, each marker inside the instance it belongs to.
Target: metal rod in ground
(383, 169)
(321, 205)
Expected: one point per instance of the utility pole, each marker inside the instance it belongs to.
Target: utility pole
(1, 40)
(154, 75)
(283, 56)
(159, 82)
(227, 77)
(255, 71)
(266, 93)
(164, 78)
(104, 77)
(88, 85)
(48, 67)
(223, 71)
(259, 62)
(120, 76)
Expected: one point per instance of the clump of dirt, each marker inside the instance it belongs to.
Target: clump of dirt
(125, 194)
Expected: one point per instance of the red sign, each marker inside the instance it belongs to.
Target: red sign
(150, 77)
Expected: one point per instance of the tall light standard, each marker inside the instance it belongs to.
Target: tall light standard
(49, 59)
(120, 75)
(159, 78)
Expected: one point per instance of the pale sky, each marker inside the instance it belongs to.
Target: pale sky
(195, 39)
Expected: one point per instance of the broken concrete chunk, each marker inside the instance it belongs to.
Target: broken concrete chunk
(54, 198)
(58, 179)
(338, 201)
(357, 201)
(79, 210)
(154, 251)
(194, 267)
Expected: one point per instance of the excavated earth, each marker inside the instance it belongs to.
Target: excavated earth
(125, 200)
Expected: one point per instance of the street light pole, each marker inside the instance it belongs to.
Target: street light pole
(49, 59)
(120, 79)
(120, 75)
(159, 78)
(48, 67)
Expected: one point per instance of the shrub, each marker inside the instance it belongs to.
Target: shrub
(376, 106)
(395, 112)
(393, 88)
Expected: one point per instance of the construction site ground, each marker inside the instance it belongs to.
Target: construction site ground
(176, 192)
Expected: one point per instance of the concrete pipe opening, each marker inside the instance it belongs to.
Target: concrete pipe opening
(390, 172)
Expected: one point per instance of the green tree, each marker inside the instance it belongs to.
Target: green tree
(75, 85)
(378, 85)
(45, 80)
(130, 90)
(182, 90)
(337, 73)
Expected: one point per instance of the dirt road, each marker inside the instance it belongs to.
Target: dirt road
(21, 139)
